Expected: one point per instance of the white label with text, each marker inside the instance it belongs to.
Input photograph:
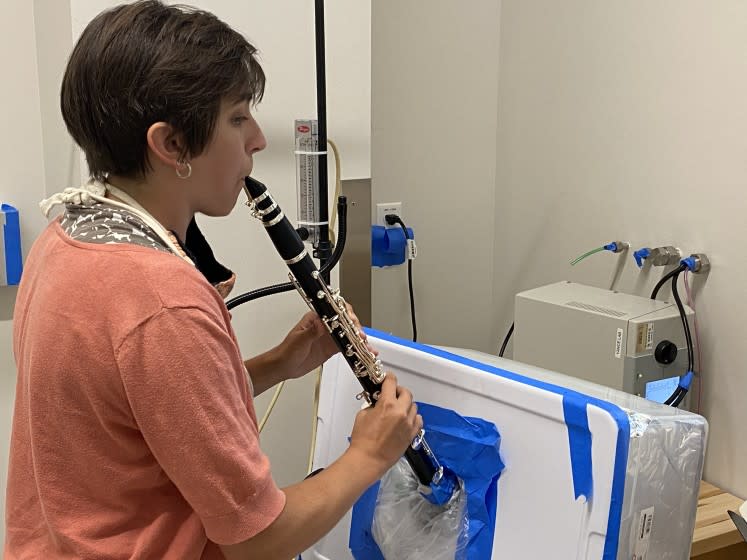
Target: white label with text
(643, 533)
(412, 249)
(618, 343)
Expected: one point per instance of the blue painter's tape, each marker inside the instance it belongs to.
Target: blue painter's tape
(389, 245)
(361, 542)
(579, 442)
(617, 414)
(12, 236)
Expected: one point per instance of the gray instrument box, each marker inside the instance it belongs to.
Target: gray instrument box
(602, 336)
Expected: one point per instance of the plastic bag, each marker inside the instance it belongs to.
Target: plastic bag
(406, 525)
(413, 527)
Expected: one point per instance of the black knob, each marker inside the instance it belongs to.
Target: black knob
(666, 352)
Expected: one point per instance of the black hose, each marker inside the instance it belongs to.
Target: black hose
(666, 277)
(342, 211)
(412, 301)
(259, 293)
(342, 218)
(396, 219)
(677, 401)
(685, 324)
(676, 398)
(505, 340)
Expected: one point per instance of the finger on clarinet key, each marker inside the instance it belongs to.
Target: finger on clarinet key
(389, 387)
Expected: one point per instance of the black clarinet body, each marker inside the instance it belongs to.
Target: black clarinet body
(331, 308)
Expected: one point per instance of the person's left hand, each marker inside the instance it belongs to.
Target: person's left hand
(308, 345)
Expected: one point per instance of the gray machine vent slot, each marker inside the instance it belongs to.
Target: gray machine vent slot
(602, 310)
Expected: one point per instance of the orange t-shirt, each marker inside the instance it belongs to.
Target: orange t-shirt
(134, 432)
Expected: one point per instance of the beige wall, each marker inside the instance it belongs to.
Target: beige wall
(434, 104)
(28, 137)
(628, 120)
(615, 120)
(37, 157)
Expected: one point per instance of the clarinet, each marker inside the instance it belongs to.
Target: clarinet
(331, 308)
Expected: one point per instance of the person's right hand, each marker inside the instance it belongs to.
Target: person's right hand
(383, 433)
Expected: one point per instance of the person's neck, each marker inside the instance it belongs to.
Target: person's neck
(169, 210)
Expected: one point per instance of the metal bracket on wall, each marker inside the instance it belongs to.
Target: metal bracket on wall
(355, 265)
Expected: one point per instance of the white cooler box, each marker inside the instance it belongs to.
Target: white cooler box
(590, 473)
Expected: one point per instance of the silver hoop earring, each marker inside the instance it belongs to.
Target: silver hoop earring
(181, 175)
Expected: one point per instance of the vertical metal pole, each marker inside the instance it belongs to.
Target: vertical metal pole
(324, 249)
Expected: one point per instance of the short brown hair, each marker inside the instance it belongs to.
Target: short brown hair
(145, 62)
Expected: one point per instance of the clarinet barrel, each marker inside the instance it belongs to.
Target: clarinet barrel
(332, 309)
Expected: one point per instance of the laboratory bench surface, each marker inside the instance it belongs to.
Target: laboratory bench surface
(716, 537)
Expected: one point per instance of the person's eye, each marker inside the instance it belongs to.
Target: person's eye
(239, 119)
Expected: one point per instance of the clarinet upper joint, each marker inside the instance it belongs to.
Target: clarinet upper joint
(362, 361)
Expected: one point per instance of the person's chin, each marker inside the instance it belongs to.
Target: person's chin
(219, 210)
(229, 206)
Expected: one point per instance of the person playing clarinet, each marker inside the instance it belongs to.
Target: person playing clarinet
(134, 431)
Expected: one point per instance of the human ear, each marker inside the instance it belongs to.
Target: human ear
(165, 144)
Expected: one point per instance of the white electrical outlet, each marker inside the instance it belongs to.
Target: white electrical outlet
(384, 208)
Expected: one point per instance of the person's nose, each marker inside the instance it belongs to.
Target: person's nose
(257, 141)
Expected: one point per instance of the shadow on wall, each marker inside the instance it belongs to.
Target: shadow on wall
(7, 302)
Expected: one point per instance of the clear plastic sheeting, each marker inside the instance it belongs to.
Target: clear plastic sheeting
(665, 459)
(406, 525)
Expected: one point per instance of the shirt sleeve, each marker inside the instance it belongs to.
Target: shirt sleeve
(187, 388)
